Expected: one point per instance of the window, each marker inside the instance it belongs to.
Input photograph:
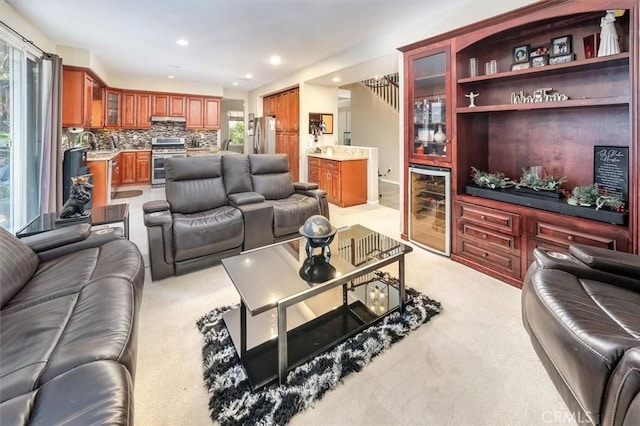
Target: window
(236, 126)
(20, 133)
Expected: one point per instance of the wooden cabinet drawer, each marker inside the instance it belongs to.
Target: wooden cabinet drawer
(495, 259)
(496, 220)
(564, 237)
(313, 161)
(314, 174)
(496, 239)
(331, 165)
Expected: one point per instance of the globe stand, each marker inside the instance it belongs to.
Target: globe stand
(322, 243)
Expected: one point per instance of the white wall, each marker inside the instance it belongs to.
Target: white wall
(375, 124)
(11, 17)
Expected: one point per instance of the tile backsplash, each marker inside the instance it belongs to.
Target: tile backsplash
(141, 138)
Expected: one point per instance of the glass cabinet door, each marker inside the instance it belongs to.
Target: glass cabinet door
(429, 100)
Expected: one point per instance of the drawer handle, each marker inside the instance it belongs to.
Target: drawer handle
(483, 217)
(484, 235)
(485, 254)
(570, 238)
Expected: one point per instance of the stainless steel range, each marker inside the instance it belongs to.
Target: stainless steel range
(162, 148)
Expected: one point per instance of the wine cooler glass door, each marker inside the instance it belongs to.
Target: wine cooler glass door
(430, 208)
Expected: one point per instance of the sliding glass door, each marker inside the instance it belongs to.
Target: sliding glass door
(20, 133)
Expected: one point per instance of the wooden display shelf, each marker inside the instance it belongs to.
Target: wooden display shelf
(571, 103)
(584, 64)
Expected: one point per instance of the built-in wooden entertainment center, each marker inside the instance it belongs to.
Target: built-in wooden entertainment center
(498, 134)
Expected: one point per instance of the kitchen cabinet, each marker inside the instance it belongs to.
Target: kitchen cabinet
(135, 167)
(143, 167)
(136, 110)
(501, 133)
(128, 167)
(81, 98)
(344, 181)
(101, 184)
(285, 107)
(112, 108)
(203, 113)
(168, 104)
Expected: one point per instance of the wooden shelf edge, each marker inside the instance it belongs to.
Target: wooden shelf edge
(571, 103)
(549, 69)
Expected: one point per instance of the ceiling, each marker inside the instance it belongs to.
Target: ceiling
(354, 39)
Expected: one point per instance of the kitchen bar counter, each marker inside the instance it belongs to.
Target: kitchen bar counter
(110, 155)
(338, 156)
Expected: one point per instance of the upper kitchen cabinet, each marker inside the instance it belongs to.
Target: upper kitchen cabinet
(203, 113)
(82, 98)
(136, 110)
(428, 96)
(168, 105)
(112, 108)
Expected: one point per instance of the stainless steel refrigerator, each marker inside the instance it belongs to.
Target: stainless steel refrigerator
(264, 135)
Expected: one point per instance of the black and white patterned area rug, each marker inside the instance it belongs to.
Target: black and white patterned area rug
(232, 402)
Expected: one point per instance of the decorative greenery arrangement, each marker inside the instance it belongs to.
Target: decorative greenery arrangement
(491, 180)
(530, 179)
(590, 195)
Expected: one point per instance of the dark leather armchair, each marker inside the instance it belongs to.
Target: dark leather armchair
(581, 311)
(195, 227)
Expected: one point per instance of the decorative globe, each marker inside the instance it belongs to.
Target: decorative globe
(319, 233)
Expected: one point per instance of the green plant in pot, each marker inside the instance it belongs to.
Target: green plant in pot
(495, 180)
(593, 195)
(531, 179)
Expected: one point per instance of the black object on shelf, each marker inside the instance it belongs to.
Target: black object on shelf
(513, 196)
(74, 163)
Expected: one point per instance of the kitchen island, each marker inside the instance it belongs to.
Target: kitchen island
(343, 175)
(111, 169)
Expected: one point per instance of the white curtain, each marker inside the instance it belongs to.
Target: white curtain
(51, 170)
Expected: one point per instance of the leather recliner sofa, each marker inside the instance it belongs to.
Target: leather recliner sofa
(582, 313)
(69, 301)
(218, 206)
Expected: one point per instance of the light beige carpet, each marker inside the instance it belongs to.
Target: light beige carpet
(474, 365)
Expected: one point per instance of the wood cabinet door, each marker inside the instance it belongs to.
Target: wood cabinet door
(195, 113)
(334, 187)
(279, 106)
(211, 113)
(177, 106)
(112, 108)
(143, 111)
(128, 167)
(128, 116)
(294, 110)
(72, 98)
(160, 104)
(293, 151)
(115, 171)
(143, 167)
(87, 105)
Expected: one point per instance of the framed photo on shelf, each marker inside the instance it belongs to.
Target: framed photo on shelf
(561, 59)
(539, 61)
(539, 51)
(591, 45)
(521, 54)
(520, 66)
(561, 46)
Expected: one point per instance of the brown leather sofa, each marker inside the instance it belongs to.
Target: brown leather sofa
(69, 302)
(582, 313)
(217, 206)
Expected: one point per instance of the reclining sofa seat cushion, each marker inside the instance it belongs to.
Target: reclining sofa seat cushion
(203, 223)
(271, 178)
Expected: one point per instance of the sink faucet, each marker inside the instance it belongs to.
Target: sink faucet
(93, 141)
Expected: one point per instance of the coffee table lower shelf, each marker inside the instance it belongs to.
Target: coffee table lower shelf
(304, 341)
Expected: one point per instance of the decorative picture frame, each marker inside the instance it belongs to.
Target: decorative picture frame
(250, 124)
(542, 50)
(521, 54)
(561, 59)
(520, 66)
(561, 46)
(539, 61)
(591, 45)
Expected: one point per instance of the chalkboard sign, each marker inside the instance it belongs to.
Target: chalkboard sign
(611, 169)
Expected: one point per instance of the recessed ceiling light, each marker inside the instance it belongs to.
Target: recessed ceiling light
(174, 66)
(182, 42)
(171, 76)
(336, 79)
(275, 60)
(235, 83)
(248, 76)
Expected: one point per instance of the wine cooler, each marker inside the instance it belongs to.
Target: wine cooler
(430, 208)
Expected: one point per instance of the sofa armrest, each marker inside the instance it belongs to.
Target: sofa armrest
(304, 186)
(57, 237)
(95, 239)
(623, 391)
(321, 196)
(615, 262)
(156, 206)
(159, 223)
(242, 198)
(258, 225)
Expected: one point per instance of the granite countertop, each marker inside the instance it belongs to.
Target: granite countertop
(103, 155)
(337, 156)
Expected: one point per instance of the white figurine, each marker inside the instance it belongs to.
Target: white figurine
(472, 98)
(608, 36)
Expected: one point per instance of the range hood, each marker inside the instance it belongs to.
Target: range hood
(166, 118)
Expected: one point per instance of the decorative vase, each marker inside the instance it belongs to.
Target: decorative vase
(439, 136)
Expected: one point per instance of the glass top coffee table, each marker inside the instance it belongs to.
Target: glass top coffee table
(293, 307)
